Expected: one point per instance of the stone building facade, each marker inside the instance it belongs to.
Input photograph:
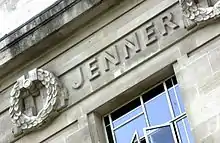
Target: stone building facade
(70, 72)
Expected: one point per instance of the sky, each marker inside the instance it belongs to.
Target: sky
(13, 13)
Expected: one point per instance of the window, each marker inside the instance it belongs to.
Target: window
(157, 116)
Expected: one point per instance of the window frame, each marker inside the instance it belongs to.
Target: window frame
(172, 123)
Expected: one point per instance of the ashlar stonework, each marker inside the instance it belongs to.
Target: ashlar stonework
(95, 55)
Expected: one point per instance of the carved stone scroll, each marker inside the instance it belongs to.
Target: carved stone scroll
(29, 86)
(194, 14)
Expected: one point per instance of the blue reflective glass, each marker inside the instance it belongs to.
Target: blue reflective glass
(161, 135)
(189, 130)
(127, 116)
(124, 134)
(177, 88)
(158, 111)
(184, 131)
(174, 102)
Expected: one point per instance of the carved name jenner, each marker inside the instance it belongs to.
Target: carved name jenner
(115, 58)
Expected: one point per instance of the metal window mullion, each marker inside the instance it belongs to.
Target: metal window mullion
(153, 128)
(174, 122)
(111, 125)
(168, 100)
(136, 108)
(154, 86)
(145, 111)
(158, 126)
(186, 130)
(160, 94)
(172, 113)
(177, 131)
(106, 135)
(180, 117)
(173, 132)
(146, 135)
(127, 121)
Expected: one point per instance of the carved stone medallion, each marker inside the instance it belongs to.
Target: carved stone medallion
(23, 112)
(196, 14)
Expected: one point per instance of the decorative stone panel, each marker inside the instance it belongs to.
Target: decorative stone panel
(194, 14)
(24, 111)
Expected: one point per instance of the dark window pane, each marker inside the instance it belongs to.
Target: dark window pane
(174, 102)
(174, 80)
(153, 92)
(184, 131)
(128, 116)
(161, 135)
(158, 111)
(135, 138)
(109, 133)
(125, 109)
(124, 134)
(106, 120)
(143, 141)
(168, 83)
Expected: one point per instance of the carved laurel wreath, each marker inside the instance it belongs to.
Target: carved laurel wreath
(52, 87)
(199, 14)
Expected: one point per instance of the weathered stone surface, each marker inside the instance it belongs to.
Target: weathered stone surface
(11, 11)
(198, 76)
(67, 118)
(81, 56)
(125, 82)
(81, 40)
(5, 128)
(214, 58)
(193, 72)
(49, 14)
(117, 56)
(43, 27)
(96, 128)
(213, 138)
(82, 136)
(60, 137)
(208, 131)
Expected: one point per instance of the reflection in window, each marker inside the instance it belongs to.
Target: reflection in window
(122, 133)
(157, 116)
(160, 135)
(184, 131)
(153, 111)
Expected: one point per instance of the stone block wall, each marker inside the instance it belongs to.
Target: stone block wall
(156, 41)
(198, 73)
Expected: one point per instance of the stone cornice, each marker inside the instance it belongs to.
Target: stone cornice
(45, 29)
(34, 23)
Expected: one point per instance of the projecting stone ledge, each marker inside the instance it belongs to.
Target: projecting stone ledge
(46, 29)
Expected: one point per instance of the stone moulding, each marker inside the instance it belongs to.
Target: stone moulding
(45, 30)
(195, 14)
(27, 86)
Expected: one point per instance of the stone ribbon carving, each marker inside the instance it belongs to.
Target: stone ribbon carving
(27, 85)
(199, 14)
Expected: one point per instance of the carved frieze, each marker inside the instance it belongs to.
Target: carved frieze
(195, 14)
(24, 111)
(125, 54)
